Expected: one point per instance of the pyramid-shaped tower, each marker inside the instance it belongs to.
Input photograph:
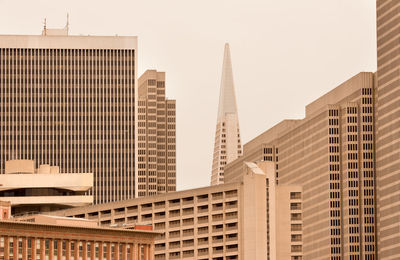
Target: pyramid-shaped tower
(227, 146)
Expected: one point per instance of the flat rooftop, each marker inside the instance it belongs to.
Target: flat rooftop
(68, 42)
(46, 222)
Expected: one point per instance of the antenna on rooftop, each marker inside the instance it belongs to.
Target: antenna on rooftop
(44, 26)
(67, 25)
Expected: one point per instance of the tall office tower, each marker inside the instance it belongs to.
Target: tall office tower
(388, 128)
(227, 146)
(330, 154)
(156, 151)
(69, 101)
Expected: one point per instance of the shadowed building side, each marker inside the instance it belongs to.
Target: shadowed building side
(388, 128)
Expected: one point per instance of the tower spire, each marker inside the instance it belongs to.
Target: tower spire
(227, 136)
(227, 98)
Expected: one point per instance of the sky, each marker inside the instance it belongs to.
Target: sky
(285, 54)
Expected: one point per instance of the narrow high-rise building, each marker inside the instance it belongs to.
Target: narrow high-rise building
(69, 101)
(388, 128)
(227, 146)
(156, 145)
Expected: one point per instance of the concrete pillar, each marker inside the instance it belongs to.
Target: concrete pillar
(6, 247)
(116, 251)
(68, 250)
(92, 250)
(101, 250)
(33, 248)
(42, 249)
(137, 252)
(76, 249)
(24, 248)
(124, 252)
(84, 250)
(132, 252)
(108, 251)
(151, 251)
(51, 249)
(16, 245)
(146, 252)
(59, 249)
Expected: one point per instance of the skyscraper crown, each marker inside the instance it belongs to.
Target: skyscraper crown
(227, 98)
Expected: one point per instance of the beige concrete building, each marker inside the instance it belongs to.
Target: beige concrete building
(388, 128)
(156, 140)
(227, 145)
(282, 206)
(69, 101)
(43, 189)
(284, 217)
(248, 219)
(330, 155)
(44, 237)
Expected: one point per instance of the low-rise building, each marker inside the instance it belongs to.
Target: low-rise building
(43, 189)
(227, 221)
(206, 223)
(46, 237)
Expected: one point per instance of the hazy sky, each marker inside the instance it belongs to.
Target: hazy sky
(285, 54)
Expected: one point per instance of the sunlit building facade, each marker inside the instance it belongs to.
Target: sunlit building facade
(156, 137)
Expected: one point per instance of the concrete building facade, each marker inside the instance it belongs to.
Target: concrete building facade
(156, 137)
(218, 222)
(31, 190)
(50, 238)
(284, 217)
(227, 221)
(330, 155)
(388, 128)
(227, 145)
(282, 206)
(69, 101)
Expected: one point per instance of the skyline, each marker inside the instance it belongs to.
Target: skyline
(332, 50)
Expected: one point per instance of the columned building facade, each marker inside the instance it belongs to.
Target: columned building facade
(26, 240)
